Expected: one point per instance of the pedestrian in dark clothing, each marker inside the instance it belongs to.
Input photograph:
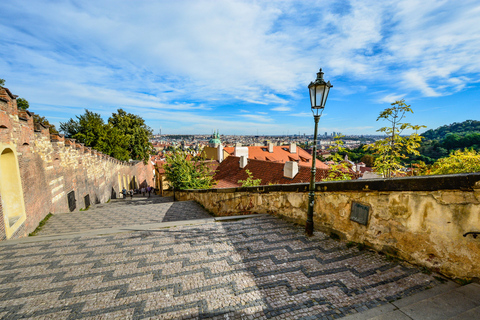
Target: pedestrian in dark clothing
(124, 192)
(149, 190)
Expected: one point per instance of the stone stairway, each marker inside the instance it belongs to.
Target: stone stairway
(446, 301)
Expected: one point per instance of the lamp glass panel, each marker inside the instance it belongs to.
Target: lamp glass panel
(325, 95)
(319, 96)
(312, 95)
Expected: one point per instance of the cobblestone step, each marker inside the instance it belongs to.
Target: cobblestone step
(446, 301)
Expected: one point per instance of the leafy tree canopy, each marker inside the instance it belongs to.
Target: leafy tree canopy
(250, 182)
(137, 133)
(458, 162)
(445, 139)
(339, 170)
(456, 127)
(188, 174)
(394, 148)
(2, 82)
(125, 136)
(22, 104)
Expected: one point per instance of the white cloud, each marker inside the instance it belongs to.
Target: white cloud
(256, 117)
(390, 98)
(281, 109)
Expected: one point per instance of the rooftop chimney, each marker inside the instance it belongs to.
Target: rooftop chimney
(220, 153)
(243, 161)
(293, 147)
(290, 169)
(240, 151)
(270, 147)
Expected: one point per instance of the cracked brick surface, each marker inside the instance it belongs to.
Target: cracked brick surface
(258, 268)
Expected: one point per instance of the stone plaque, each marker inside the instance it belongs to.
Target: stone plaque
(359, 213)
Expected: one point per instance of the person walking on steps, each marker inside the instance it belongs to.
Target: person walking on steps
(124, 192)
(143, 191)
(149, 190)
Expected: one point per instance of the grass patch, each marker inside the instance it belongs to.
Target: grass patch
(81, 209)
(391, 258)
(426, 270)
(350, 244)
(40, 225)
(442, 280)
(108, 200)
(463, 282)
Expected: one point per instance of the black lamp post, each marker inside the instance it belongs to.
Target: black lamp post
(318, 97)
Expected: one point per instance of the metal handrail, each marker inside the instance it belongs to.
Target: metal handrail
(473, 233)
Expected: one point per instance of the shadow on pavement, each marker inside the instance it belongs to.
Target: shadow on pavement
(185, 210)
(318, 277)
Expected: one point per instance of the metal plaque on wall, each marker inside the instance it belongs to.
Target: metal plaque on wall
(359, 213)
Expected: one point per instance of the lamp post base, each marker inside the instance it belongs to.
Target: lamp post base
(309, 228)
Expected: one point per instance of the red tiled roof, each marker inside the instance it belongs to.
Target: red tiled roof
(229, 172)
(363, 169)
(280, 154)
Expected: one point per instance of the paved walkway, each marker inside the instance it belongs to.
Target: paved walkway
(256, 268)
(118, 213)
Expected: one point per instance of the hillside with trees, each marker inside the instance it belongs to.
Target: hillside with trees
(441, 142)
(467, 126)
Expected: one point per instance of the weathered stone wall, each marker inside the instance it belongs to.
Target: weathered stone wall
(51, 167)
(419, 219)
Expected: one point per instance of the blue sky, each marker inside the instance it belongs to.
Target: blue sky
(244, 66)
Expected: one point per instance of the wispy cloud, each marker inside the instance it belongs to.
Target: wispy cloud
(257, 117)
(281, 109)
(212, 59)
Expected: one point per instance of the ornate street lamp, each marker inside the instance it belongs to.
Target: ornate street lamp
(318, 97)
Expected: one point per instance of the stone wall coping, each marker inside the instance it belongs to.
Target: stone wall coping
(464, 181)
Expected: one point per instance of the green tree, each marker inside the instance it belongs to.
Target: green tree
(250, 182)
(458, 162)
(391, 151)
(22, 104)
(339, 170)
(368, 159)
(116, 144)
(2, 82)
(188, 174)
(88, 129)
(136, 132)
(124, 137)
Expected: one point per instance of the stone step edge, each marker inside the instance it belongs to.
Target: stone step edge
(121, 229)
(393, 306)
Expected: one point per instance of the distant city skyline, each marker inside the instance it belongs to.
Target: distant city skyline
(243, 67)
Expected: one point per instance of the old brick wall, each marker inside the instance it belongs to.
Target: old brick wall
(419, 219)
(52, 167)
